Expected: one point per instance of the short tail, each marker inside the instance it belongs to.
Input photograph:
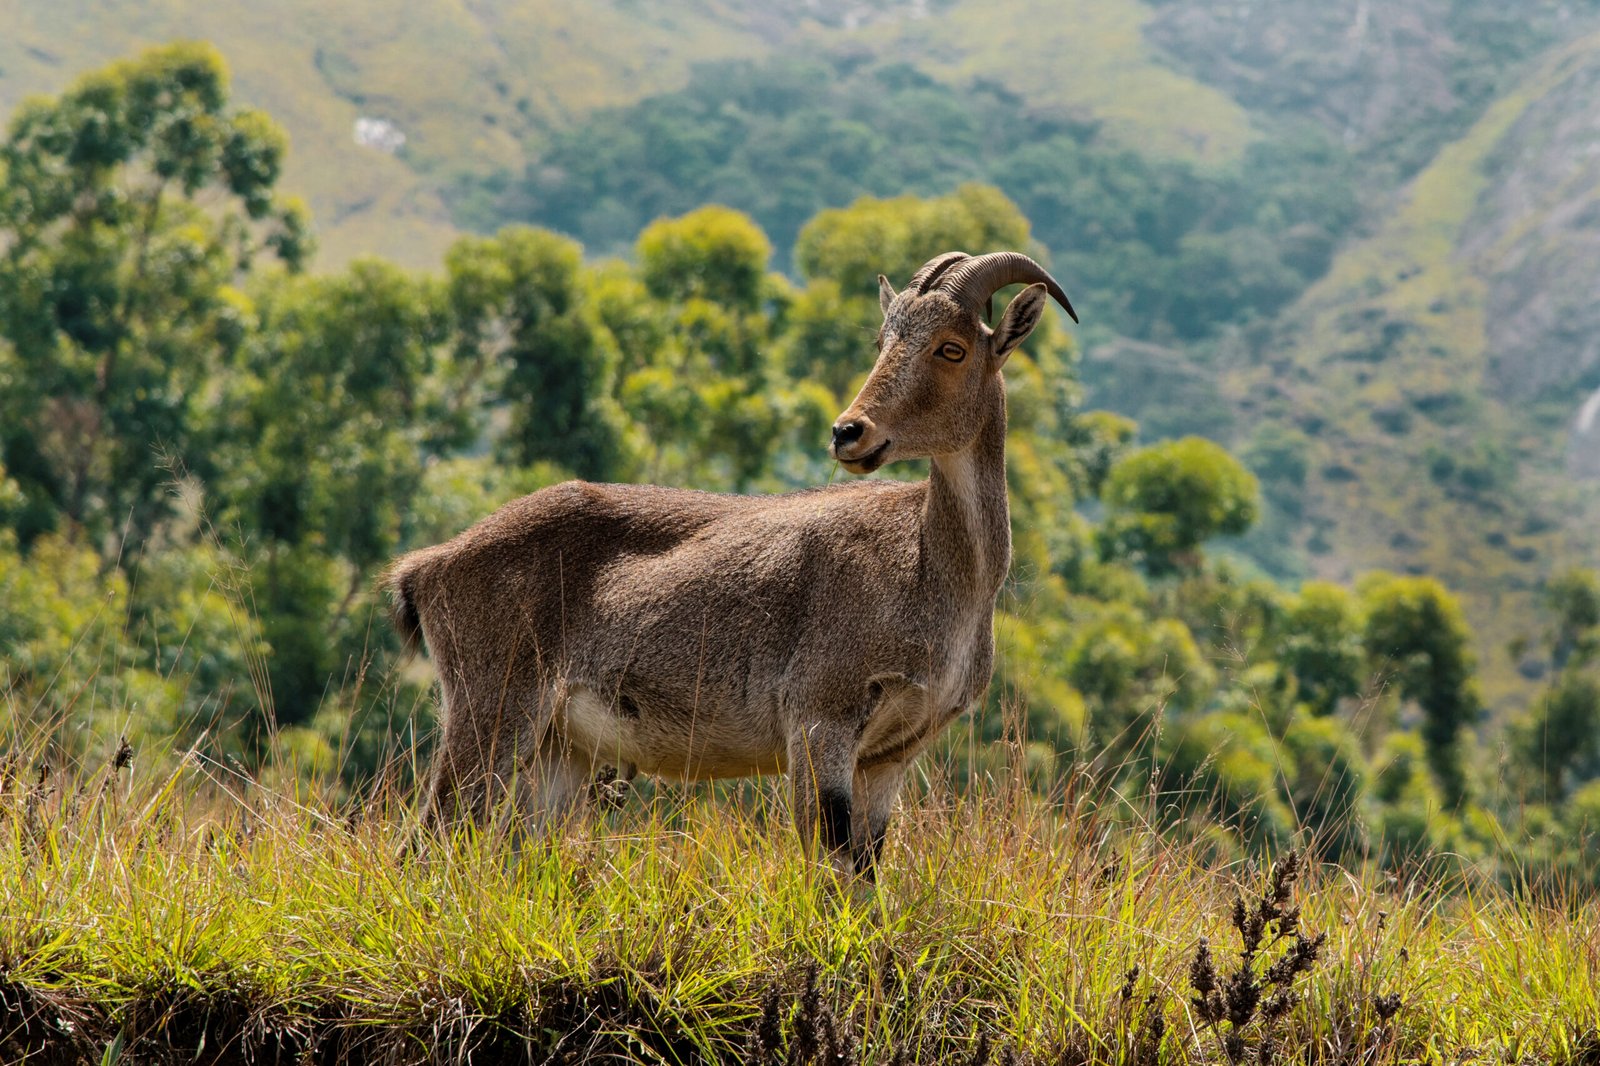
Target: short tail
(399, 582)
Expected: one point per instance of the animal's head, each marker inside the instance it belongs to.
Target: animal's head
(938, 362)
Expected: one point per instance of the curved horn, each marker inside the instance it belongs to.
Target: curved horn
(925, 277)
(974, 281)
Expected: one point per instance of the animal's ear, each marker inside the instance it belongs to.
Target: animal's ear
(1021, 316)
(885, 293)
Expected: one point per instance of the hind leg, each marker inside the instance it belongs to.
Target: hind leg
(505, 766)
(482, 772)
(558, 787)
(821, 763)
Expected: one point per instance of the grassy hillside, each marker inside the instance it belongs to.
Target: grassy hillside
(1395, 81)
(469, 85)
(476, 87)
(200, 918)
(1088, 56)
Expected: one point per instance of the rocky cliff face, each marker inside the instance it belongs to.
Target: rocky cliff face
(1535, 240)
(1359, 68)
(1393, 80)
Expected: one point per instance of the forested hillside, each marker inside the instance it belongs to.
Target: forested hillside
(1351, 241)
(209, 452)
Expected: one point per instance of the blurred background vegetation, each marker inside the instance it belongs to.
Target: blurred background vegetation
(1302, 529)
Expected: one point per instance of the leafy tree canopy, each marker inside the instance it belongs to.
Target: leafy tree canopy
(117, 288)
(1159, 249)
(1165, 500)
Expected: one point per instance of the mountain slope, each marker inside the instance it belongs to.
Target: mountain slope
(469, 84)
(1436, 400)
(1087, 56)
(475, 87)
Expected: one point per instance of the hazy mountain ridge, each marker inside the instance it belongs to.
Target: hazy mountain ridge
(1393, 80)
(1536, 240)
(476, 87)
(469, 85)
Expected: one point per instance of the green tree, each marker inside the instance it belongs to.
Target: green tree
(893, 237)
(1164, 501)
(117, 295)
(1558, 742)
(521, 326)
(318, 447)
(1415, 634)
(81, 661)
(713, 253)
(1561, 740)
(1573, 600)
(1411, 824)
(1321, 645)
(712, 396)
(1098, 440)
(1133, 672)
(1327, 784)
(1227, 765)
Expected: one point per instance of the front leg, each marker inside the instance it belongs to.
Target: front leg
(876, 789)
(822, 760)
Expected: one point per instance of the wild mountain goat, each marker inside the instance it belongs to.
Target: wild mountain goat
(831, 633)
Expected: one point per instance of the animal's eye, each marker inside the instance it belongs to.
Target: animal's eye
(952, 351)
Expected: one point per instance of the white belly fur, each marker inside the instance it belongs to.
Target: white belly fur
(594, 731)
(905, 719)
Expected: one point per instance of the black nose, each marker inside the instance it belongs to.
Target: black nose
(848, 433)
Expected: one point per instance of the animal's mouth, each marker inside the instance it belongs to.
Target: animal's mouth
(866, 464)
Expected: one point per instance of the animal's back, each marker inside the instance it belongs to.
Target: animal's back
(539, 570)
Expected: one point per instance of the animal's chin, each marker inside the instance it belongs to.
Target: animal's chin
(866, 464)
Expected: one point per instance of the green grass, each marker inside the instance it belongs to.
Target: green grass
(197, 916)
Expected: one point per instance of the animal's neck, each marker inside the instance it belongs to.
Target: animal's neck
(967, 529)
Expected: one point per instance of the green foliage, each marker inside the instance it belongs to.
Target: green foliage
(1099, 439)
(1561, 740)
(1573, 600)
(711, 253)
(1229, 764)
(1478, 471)
(116, 285)
(711, 394)
(1556, 744)
(1417, 636)
(1322, 646)
(894, 237)
(165, 658)
(841, 252)
(780, 139)
(1280, 456)
(309, 428)
(1134, 672)
(517, 303)
(1165, 500)
(1328, 784)
(1161, 249)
